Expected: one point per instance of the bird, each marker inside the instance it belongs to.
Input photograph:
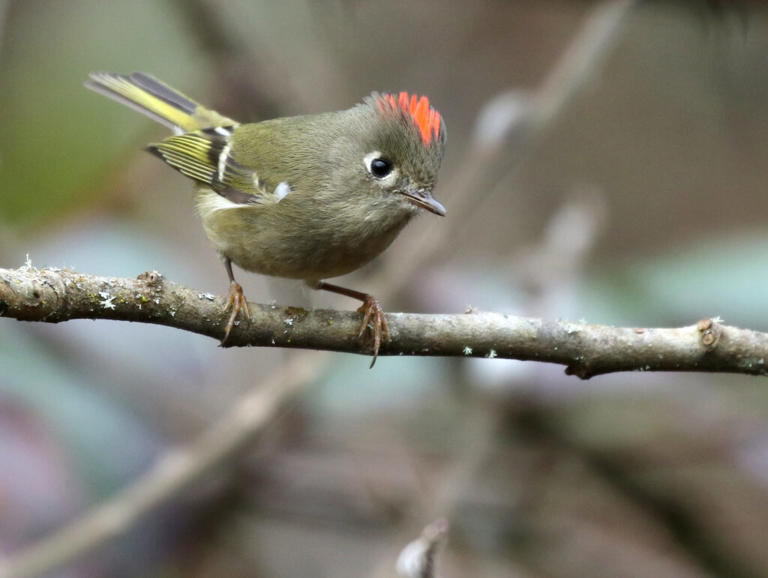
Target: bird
(307, 197)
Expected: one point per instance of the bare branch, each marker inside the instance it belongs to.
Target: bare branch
(54, 295)
(172, 473)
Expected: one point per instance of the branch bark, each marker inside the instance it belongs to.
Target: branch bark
(55, 295)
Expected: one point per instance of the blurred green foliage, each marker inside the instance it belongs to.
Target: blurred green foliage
(60, 141)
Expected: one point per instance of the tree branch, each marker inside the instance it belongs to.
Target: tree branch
(54, 295)
(176, 470)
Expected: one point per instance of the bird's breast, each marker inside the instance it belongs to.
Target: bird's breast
(299, 237)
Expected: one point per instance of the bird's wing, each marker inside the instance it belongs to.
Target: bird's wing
(206, 157)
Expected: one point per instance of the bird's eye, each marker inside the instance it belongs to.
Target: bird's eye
(380, 167)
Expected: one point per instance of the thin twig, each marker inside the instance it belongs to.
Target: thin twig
(490, 163)
(170, 475)
(417, 559)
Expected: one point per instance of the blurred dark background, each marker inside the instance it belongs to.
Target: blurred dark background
(639, 201)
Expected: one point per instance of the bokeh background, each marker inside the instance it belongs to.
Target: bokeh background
(624, 185)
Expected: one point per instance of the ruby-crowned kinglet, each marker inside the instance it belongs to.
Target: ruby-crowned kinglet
(304, 197)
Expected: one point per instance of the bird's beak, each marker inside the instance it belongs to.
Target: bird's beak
(424, 199)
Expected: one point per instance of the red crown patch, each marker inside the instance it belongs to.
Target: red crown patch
(426, 118)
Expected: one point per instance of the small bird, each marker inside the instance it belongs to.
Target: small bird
(304, 197)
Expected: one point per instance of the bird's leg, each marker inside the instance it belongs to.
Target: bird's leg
(371, 310)
(235, 300)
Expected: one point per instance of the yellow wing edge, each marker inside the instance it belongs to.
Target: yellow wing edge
(155, 99)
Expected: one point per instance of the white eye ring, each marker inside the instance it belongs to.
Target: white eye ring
(380, 167)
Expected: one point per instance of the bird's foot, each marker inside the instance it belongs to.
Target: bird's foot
(237, 302)
(373, 314)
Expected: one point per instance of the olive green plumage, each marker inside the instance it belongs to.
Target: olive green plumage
(307, 197)
(336, 217)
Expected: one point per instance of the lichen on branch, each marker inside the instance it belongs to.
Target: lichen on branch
(54, 295)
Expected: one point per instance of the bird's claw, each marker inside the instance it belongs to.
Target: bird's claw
(237, 302)
(373, 314)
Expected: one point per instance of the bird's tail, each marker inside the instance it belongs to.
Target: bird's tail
(157, 100)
